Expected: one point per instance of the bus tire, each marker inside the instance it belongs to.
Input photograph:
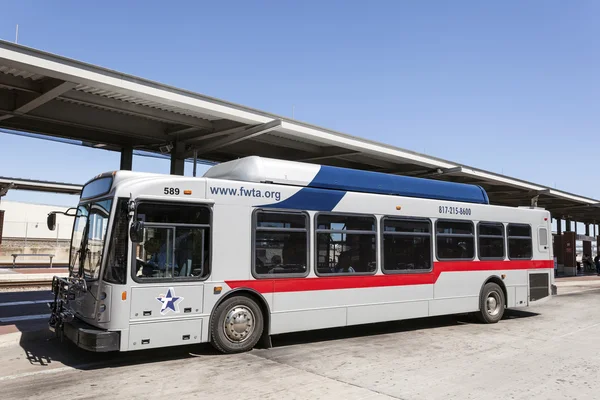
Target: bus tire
(236, 325)
(491, 304)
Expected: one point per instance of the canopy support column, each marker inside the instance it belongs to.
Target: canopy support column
(178, 158)
(126, 158)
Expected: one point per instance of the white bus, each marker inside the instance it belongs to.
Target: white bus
(260, 247)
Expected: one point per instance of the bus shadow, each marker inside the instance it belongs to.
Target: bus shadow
(358, 331)
(50, 350)
(518, 314)
(46, 350)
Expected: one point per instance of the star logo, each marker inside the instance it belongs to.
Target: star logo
(169, 301)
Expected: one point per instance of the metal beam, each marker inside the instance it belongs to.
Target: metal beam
(5, 187)
(42, 99)
(238, 137)
(478, 182)
(184, 131)
(48, 95)
(284, 142)
(373, 162)
(505, 192)
(518, 193)
(579, 207)
(16, 83)
(96, 119)
(328, 152)
(137, 110)
(91, 134)
(40, 186)
(213, 135)
(438, 172)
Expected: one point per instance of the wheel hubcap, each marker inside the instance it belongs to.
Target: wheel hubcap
(493, 305)
(239, 324)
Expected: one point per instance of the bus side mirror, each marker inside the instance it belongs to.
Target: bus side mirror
(136, 232)
(51, 221)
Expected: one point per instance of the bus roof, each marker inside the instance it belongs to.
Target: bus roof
(268, 170)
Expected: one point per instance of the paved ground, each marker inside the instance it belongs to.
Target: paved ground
(549, 351)
(6, 271)
(24, 311)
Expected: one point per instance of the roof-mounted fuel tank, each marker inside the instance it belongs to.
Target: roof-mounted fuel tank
(268, 170)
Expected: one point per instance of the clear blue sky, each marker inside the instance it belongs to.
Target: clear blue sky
(512, 87)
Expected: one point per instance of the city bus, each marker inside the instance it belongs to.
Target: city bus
(259, 247)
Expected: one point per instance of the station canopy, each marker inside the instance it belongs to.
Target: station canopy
(48, 94)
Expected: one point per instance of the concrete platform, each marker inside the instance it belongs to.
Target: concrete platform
(31, 274)
(577, 284)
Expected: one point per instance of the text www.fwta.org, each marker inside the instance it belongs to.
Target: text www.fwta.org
(268, 194)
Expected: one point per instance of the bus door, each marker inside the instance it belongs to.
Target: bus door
(171, 264)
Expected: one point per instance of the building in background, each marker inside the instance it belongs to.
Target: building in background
(25, 232)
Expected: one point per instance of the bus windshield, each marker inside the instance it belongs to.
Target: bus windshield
(88, 239)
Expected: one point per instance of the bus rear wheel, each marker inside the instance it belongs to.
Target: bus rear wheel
(236, 325)
(491, 304)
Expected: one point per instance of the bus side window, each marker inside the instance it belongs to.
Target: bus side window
(455, 240)
(406, 245)
(519, 242)
(490, 236)
(280, 243)
(346, 244)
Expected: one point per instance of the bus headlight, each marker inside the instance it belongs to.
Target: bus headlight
(102, 308)
(102, 296)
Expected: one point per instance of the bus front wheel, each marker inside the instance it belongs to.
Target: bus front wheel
(236, 325)
(491, 304)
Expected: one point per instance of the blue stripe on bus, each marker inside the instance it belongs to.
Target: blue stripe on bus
(352, 180)
(311, 199)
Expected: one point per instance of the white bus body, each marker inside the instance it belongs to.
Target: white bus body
(275, 246)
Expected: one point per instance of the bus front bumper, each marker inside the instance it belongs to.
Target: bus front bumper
(89, 337)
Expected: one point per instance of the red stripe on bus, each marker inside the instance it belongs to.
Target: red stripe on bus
(354, 282)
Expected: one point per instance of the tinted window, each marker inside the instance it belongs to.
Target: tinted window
(116, 266)
(455, 240)
(519, 230)
(405, 226)
(519, 249)
(345, 223)
(406, 245)
(454, 228)
(97, 188)
(97, 228)
(280, 220)
(173, 214)
(280, 243)
(491, 240)
(491, 229)
(342, 252)
(519, 242)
